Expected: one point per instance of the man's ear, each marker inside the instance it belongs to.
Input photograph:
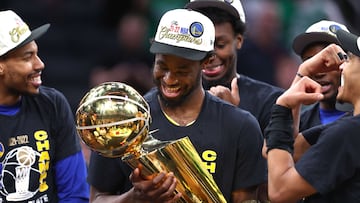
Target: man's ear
(1, 68)
(239, 41)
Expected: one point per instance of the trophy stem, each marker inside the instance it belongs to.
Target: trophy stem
(180, 157)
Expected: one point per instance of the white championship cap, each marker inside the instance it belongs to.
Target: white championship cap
(14, 32)
(234, 7)
(184, 33)
(317, 32)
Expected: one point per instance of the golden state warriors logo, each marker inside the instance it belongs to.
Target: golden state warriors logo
(196, 29)
(333, 28)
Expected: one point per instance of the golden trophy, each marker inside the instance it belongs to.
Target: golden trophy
(113, 119)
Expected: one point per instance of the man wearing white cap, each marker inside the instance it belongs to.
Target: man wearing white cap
(227, 138)
(40, 154)
(306, 45)
(330, 167)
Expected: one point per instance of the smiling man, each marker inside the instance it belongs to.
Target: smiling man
(306, 45)
(220, 76)
(40, 154)
(228, 139)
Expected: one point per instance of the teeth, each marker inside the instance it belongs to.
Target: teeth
(214, 67)
(36, 79)
(171, 89)
(342, 80)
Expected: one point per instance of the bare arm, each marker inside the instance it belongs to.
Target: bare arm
(300, 147)
(285, 183)
(325, 61)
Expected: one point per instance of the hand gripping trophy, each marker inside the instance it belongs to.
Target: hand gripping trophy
(113, 119)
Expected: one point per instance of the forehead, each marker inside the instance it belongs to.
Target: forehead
(224, 28)
(19, 51)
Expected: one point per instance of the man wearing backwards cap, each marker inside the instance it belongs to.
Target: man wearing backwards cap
(331, 166)
(41, 159)
(220, 76)
(227, 138)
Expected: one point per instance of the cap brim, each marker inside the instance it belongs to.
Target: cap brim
(35, 34)
(305, 39)
(348, 41)
(160, 48)
(214, 3)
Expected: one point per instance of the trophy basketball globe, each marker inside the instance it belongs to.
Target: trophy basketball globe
(113, 119)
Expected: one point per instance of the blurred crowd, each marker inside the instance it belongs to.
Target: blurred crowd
(93, 41)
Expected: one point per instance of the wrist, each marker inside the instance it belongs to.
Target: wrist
(303, 70)
(279, 132)
(282, 100)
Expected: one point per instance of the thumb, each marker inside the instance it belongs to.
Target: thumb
(235, 91)
(135, 175)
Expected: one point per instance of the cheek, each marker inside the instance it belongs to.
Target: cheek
(335, 77)
(157, 73)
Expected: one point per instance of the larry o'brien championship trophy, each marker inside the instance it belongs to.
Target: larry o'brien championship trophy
(113, 119)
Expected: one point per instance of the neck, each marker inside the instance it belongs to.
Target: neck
(9, 100)
(357, 108)
(329, 105)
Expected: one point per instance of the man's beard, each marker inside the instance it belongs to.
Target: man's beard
(171, 103)
(182, 99)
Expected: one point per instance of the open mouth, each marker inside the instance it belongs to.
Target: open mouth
(170, 92)
(325, 86)
(35, 80)
(213, 70)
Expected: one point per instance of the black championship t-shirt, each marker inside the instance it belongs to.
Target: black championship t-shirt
(228, 140)
(31, 142)
(332, 164)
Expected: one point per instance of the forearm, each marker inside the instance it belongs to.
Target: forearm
(285, 184)
(280, 164)
(280, 141)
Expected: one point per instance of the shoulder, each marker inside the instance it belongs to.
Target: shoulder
(252, 85)
(227, 111)
(50, 98)
(345, 127)
(151, 95)
(51, 93)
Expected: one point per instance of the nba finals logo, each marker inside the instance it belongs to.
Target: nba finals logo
(17, 169)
